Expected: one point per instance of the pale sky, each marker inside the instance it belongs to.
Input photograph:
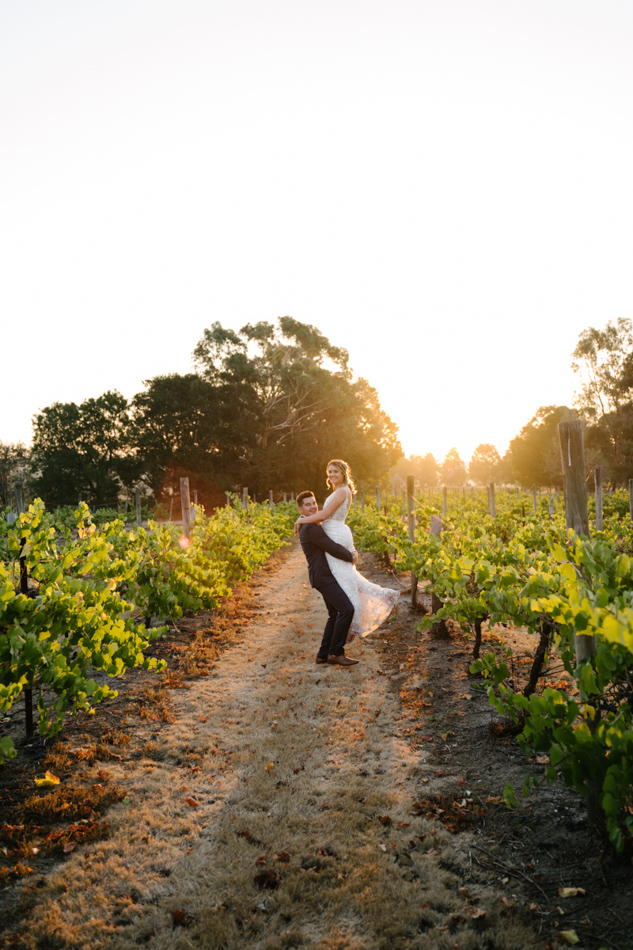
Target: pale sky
(443, 187)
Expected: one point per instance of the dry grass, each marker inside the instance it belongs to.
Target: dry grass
(278, 807)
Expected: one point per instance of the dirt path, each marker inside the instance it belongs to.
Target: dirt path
(281, 809)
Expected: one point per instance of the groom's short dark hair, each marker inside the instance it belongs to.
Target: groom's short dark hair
(301, 497)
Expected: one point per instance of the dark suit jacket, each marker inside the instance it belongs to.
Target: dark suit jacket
(315, 543)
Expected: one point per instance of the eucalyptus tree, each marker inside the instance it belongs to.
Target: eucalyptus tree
(604, 361)
(294, 403)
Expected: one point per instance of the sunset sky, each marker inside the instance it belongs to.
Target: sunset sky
(443, 187)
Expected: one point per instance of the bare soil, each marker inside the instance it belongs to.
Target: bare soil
(249, 798)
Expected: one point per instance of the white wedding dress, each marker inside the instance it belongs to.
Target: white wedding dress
(372, 603)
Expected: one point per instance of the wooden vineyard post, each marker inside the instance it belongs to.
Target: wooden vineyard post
(572, 453)
(137, 502)
(439, 629)
(597, 479)
(171, 507)
(492, 500)
(573, 460)
(534, 497)
(631, 498)
(28, 690)
(270, 498)
(444, 501)
(185, 506)
(19, 498)
(411, 527)
(577, 518)
(195, 496)
(362, 501)
(377, 499)
(245, 497)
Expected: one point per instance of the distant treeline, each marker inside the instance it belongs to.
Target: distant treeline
(603, 360)
(267, 408)
(269, 405)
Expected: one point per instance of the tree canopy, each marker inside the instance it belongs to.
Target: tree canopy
(604, 361)
(295, 404)
(182, 425)
(83, 450)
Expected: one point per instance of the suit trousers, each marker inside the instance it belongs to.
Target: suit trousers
(341, 614)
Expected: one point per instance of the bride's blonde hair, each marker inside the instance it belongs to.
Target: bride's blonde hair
(345, 471)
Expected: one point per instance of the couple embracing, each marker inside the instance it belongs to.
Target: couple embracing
(355, 606)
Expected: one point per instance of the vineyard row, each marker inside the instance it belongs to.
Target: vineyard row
(73, 603)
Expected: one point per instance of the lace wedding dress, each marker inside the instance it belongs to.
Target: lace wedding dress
(372, 603)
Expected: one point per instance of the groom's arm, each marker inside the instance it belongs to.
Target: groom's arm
(315, 534)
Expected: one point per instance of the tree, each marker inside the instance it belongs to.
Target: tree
(604, 360)
(283, 381)
(453, 469)
(609, 443)
(83, 450)
(422, 467)
(535, 452)
(484, 463)
(295, 404)
(185, 425)
(505, 473)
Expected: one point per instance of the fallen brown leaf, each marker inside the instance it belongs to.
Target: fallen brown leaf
(475, 913)
(181, 918)
(268, 878)
(282, 856)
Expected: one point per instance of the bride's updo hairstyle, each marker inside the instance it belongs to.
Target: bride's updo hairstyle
(344, 469)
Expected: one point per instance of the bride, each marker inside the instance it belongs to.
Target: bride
(372, 603)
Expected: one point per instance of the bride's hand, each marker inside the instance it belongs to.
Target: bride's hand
(298, 524)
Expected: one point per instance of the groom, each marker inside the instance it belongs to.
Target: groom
(315, 543)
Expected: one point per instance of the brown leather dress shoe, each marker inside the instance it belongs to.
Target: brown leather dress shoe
(321, 659)
(341, 660)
